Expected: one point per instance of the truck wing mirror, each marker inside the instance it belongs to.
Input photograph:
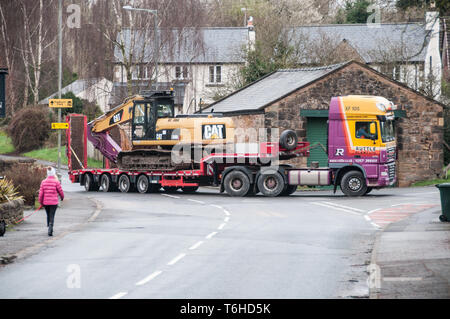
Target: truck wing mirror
(373, 129)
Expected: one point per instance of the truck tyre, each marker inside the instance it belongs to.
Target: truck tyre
(106, 183)
(142, 184)
(369, 189)
(353, 183)
(289, 190)
(2, 228)
(124, 183)
(288, 140)
(89, 184)
(237, 183)
(189, 189)
(271, 184)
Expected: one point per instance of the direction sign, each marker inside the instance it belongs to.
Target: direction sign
(60, 103)
(60, 126)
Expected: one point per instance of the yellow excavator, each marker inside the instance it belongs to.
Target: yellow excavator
(155, 130)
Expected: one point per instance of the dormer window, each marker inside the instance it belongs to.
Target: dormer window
(181, 72)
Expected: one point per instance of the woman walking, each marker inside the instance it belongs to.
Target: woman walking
(48, 197)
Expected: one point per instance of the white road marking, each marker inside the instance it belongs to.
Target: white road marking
(176, 259)
(402, 278)
(345, 207)
(171, 196)
(221, 226)
(119, 295)
(226, 212)
(148, 278)
(367, 218)
(196, 245)
(216, 206)
(196, 201)
(211, 235)
(337, 208)
(373, 211)
(375, 225)
(227, 219)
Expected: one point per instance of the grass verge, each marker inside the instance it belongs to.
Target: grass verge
(51, 155)
(5, 143)
(431, 182)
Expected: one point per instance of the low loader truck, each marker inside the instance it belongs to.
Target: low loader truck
(361, 151)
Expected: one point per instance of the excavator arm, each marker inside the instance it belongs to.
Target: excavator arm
(98, 129)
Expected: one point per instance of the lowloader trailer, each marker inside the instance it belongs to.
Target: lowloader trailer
(361, 157)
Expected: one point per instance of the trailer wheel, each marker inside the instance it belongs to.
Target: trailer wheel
(106, 183)
(236, 183)
(289, 190)
(124, 183)
(288, 140)
(271, 184)
(189, 189)
(89, 184)
(142, 184)
(353, 183)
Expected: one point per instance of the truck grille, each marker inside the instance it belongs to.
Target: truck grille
(391, 170)
(390, 152)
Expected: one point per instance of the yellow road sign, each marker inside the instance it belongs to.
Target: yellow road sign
(60, 103)
(60, 126)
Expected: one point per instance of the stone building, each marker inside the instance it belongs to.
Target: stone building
(299, 99)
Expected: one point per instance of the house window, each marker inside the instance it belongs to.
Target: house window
(140, 72)
(215, 74)
(181, 72)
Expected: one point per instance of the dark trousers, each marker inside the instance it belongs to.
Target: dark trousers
(50, 210)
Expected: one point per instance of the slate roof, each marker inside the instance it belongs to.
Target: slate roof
(270, 88)
(413, 37)
(75, 87)
(188, 45)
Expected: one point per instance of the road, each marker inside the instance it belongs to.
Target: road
(312, 244)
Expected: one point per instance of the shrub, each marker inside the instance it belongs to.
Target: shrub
(8, 191)
(27, 178)
(29, 128)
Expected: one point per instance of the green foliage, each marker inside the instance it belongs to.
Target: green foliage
(30, 128)
(263, 61)
(28, 179)
(77, 104)
(354, 12)
(442, 5)
(8, 191)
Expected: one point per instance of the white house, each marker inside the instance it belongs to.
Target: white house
(199, 62)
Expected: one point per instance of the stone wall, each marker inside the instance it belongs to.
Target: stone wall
(12, 211)
(419, 135)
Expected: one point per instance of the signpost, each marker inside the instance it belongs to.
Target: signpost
(3, 73)
(60, 126)
(65, 103)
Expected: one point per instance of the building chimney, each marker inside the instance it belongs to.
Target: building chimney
(251, 34)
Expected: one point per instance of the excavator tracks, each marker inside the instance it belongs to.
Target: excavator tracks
(151, 160)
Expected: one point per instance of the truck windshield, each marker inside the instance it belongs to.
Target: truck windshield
(387, 131)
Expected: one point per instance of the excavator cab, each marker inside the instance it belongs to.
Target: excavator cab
(146, 112)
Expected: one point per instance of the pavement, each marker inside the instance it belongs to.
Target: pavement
(30, 236)
(411, 259)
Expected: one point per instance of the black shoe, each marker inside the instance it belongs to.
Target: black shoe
(50, 230)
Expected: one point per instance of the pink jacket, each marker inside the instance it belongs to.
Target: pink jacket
(48, 193)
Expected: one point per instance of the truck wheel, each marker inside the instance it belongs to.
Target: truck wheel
(289, 190)
(288, 140)
(189, 189)
(353, 183)
(106, 183)
(2, 228)
(124, 183)
(369, 189)
(89, 184)
(142, 184)
(236, 183)
(271, 184)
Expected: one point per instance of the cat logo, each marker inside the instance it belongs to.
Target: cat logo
(116, 118)
(213, 131)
